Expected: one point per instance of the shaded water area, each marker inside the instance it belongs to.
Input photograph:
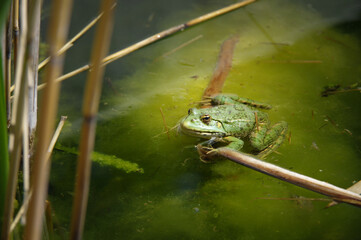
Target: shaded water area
(287, 52)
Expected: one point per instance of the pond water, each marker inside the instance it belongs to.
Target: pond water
(287, 52)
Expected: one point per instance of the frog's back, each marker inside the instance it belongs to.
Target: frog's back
(238, 120)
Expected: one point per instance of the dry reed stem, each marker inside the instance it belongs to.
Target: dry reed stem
(356, 188)
(56, 136)
(21, 211)
(309, 183)
(58, 28)
(26, 160)
(16, 128)
(156, 37)
(90, 111)
(71, 42)
(16, 30)
(66, 47)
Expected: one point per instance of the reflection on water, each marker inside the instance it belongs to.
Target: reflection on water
(288, 51)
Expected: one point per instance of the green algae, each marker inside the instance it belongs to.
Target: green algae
(287, 53)
(106, 160)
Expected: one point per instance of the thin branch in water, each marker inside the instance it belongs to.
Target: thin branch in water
(164, 122)
(295, 61)
(296, 199)
(166, 132)
(179, 47)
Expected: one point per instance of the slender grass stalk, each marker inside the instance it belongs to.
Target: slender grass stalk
(156, 37)
(58, 28)
(4, 157)
(90, 111)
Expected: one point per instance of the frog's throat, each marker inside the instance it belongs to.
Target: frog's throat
(202, 134)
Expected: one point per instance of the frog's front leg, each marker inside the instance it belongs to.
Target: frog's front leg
(266, 140)
(222, 99)
(207, 152)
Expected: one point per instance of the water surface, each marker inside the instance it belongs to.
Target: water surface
(287, 52)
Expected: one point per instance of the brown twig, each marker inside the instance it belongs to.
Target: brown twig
(312, 184)
(90, 111)
(224, 65)
(164, 122)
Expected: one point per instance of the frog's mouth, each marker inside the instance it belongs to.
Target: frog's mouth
(204, 132)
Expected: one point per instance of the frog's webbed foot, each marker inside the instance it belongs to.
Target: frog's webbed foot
(222, 99)
(207, 152)
(267, 140)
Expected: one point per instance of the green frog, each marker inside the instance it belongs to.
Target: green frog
(231, 120)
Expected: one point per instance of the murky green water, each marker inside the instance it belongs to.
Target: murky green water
(287, 52)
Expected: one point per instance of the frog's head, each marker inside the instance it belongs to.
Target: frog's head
(199, 123)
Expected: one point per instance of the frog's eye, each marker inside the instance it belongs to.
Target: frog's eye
(189, 111)
(206, 118)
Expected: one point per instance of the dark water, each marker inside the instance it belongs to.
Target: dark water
(288, 51)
